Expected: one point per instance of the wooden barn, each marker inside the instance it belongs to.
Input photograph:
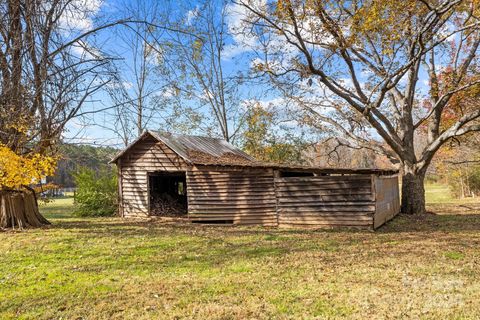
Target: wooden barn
(207, 180)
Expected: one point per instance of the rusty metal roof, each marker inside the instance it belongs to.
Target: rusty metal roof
(208, 151)
(312, 169)
(191, 148)
(197, 150)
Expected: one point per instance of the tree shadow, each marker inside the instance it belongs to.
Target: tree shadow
(452, 218)
(433, 222)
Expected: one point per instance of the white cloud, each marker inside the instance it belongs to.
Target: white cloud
(346, 82)
(80, 51)
(237, 23)
(78, 14)
(269, 104)
(367, 73)
(155, 53)
(192, 14)
(207, 96)
(83, 50)
(127, 85)
(168, 92)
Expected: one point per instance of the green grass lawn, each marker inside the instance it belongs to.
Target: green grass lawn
(439, 193)
(109, 268)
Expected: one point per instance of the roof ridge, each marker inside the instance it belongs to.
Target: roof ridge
(196, 149)
(161, 133)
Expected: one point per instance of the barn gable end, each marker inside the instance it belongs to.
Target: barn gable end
(144, 156)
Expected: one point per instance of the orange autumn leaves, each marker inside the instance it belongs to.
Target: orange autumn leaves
(461, 102)
(17, 171)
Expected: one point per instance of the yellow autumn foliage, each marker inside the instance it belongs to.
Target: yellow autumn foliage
(17, 170)
(383, 22)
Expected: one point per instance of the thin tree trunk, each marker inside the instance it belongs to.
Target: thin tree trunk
(413, 191)
(140, 117)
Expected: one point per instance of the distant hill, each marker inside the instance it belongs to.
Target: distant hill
(75, 156)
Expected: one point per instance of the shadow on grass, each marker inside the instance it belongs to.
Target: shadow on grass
(181, 247)
(445, 218)
(191, 248)
(114, 225)
(402, 223)
(432, 222)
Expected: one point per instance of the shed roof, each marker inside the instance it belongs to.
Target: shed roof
(312, 169)
(197, 150)
(218, 152)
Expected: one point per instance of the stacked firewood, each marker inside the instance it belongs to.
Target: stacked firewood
(168, 206)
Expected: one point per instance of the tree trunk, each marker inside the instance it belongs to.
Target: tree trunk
(413, 192)
(19, 209)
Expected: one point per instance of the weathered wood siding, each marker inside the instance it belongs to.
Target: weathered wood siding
(146, 156)
(325, 201)
(245, 196)
(257, 196)
(387, 199)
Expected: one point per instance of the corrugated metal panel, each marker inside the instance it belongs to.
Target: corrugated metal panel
(183, 144)
(299, 168)
(221, 153)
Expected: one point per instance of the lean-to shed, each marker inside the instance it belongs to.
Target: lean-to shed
(207, 180)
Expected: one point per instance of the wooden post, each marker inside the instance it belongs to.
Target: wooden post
(120, 190)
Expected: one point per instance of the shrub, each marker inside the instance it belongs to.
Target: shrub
(96, 193)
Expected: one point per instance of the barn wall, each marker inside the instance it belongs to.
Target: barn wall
(255, 196)
(387, 199)
(146, 156)
(243, 195)
(325, 201)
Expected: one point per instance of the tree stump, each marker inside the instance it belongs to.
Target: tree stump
(19, 209)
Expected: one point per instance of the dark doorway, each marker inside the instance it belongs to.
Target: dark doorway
(168, 194)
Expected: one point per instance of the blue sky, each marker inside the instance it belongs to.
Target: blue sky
(94, 129)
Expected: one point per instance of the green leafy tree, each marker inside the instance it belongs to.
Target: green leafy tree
(261, 142)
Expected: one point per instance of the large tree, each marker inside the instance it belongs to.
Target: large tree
(374, 70)
(48, 71)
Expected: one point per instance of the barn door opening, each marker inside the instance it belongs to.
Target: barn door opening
(168, 194)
